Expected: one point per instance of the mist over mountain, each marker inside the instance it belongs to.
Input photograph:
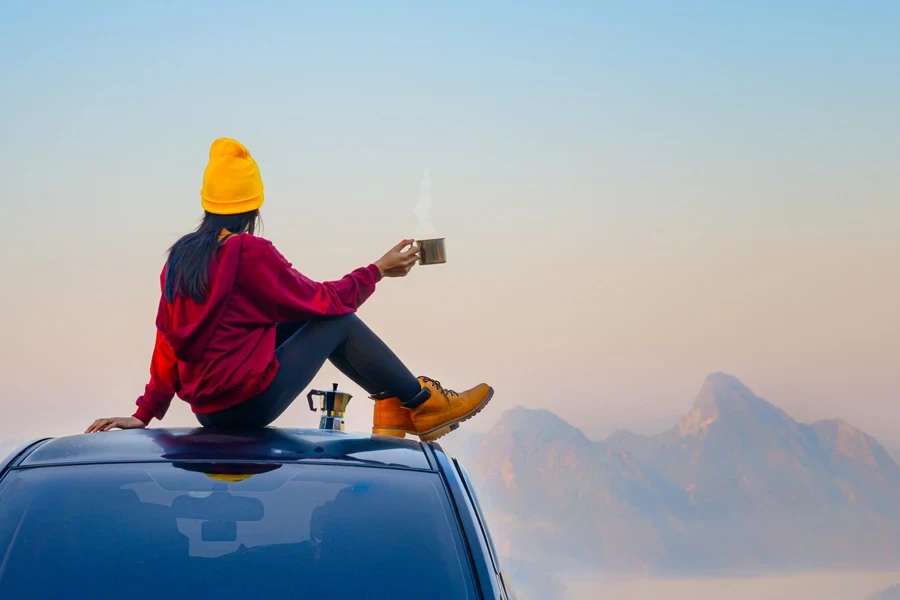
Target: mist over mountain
(645, 426)
(7, 446)
(736, 485)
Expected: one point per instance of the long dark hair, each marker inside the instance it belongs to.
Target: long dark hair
(187, 268)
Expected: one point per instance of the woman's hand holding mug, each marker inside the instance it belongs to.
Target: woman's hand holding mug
(396, 262)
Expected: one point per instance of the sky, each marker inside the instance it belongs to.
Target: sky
(633, 195)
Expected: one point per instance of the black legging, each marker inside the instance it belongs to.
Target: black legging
(302, 349)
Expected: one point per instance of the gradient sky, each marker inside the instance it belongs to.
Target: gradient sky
(634, 194)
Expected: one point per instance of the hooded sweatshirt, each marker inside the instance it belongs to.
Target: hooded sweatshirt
(221, 352)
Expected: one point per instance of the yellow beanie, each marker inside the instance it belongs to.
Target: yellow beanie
(231, 182)
(230, 478)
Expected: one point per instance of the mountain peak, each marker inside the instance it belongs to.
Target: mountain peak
(722, 378)
(539, 423)
(725, 396)
(718, 385)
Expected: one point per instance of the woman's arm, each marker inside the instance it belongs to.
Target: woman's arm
(159, 391)
(286, 295)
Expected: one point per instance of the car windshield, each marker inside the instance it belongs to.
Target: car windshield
(251, 531)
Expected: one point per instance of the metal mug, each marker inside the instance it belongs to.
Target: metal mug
(432, 252)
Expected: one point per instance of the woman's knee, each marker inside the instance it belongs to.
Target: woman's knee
(322, 329)
(343, 323)
(348, 318)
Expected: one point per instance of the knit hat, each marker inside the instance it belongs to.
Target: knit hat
(231, 181)
(229, 478)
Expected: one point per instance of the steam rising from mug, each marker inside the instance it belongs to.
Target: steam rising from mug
(431, 247)
(424, 228)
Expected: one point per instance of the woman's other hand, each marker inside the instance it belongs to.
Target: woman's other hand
(115, 423)
(396, 262)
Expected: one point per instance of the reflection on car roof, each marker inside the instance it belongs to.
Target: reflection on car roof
(252, 445)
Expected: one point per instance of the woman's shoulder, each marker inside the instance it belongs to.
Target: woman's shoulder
(257, 247)
(249, 241)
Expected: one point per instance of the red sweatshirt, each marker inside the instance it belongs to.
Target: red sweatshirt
(219, 353)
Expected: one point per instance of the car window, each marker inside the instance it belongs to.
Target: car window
(187, 531)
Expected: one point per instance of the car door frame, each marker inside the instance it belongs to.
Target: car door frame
(506, 585)
(491, 581)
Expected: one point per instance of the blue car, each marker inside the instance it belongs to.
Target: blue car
(267, 513)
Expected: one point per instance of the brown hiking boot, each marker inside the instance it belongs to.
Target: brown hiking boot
(393, 419)
(445, 408)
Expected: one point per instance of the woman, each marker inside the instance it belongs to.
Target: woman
(241, 333)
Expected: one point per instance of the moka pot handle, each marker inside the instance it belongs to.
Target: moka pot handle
(309, 398)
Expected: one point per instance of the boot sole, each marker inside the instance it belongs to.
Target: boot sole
(401, 433)
(439, 432)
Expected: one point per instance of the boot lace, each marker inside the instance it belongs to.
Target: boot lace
(439, 387)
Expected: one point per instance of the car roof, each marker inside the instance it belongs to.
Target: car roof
(229, 446)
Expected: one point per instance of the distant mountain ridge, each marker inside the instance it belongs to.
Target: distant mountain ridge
(891, 593)
(736, 483)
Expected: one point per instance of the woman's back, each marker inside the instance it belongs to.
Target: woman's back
(225, 345)
(219, 351)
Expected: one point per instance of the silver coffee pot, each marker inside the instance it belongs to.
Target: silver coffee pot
(332, 405)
